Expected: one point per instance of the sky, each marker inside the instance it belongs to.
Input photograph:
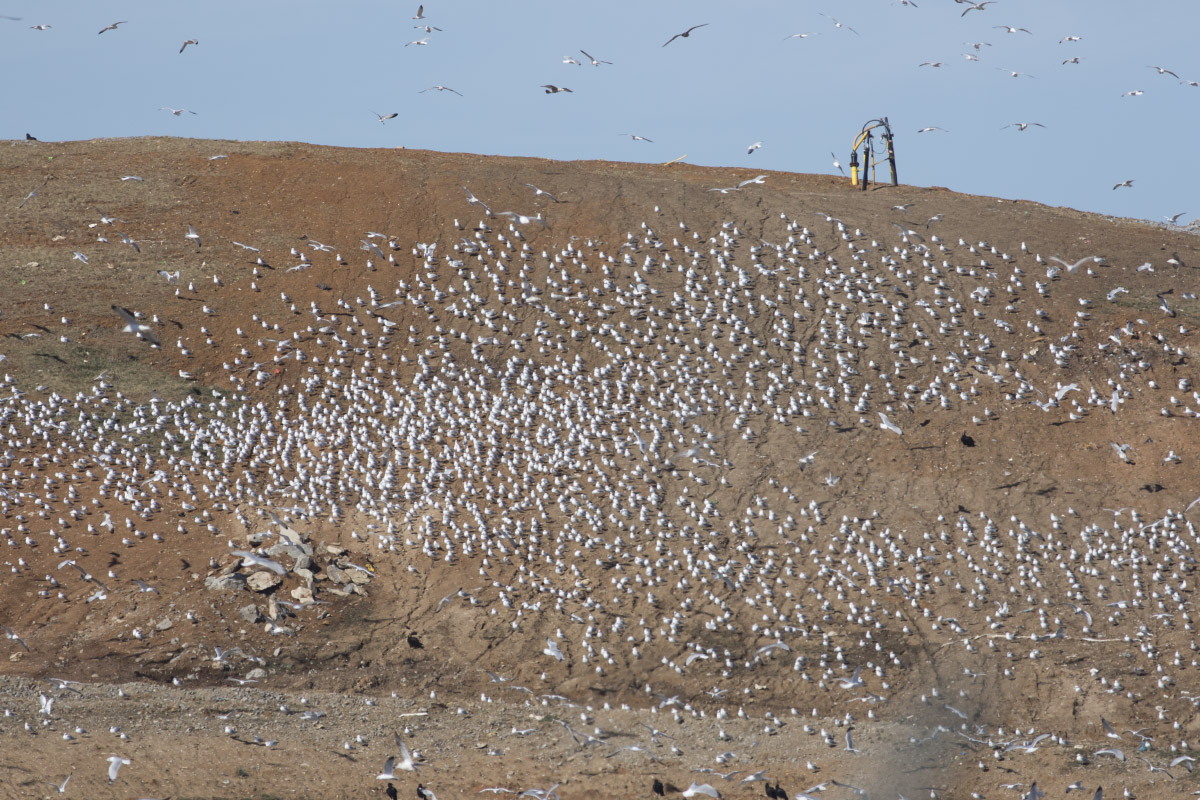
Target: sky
(321, 72)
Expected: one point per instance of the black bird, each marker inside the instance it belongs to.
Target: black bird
(777, 793)
(414, 642)
(658, 788)
(685, 34)
(390, 791)
(967, 441)
(29, 137)
(424, 794)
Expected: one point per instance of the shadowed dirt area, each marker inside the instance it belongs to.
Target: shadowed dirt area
(635, 420)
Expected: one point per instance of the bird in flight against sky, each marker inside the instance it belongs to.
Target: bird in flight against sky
(595, 61)
(385, 117)
(977, 7)
(1023, 125)
(685, 34)
(112, 27)
(187, 42)
(552, 89)
(177, 111)
(837, 24)
(440, 89)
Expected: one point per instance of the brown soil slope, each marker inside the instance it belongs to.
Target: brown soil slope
(636, 420)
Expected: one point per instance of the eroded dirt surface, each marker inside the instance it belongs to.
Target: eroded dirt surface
(955, 564)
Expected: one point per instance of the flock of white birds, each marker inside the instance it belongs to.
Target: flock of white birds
(635, 451)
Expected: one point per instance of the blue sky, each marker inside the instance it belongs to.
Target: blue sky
(315, 72)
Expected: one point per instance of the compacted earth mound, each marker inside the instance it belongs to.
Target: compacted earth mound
(326, 469)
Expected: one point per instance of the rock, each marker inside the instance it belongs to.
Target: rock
(305, 575)
(232, 581)
(256, 674)
(336, 574)
(303, 562)
(250, 613)
(359, 577)
(165, 625)
(335, 550)
(262, 581)
(302, 594)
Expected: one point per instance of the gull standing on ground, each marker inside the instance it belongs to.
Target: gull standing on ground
(685, 34)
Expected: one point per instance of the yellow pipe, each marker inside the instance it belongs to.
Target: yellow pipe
(675, 160)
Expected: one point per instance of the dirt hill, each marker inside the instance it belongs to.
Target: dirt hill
(672, 468)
